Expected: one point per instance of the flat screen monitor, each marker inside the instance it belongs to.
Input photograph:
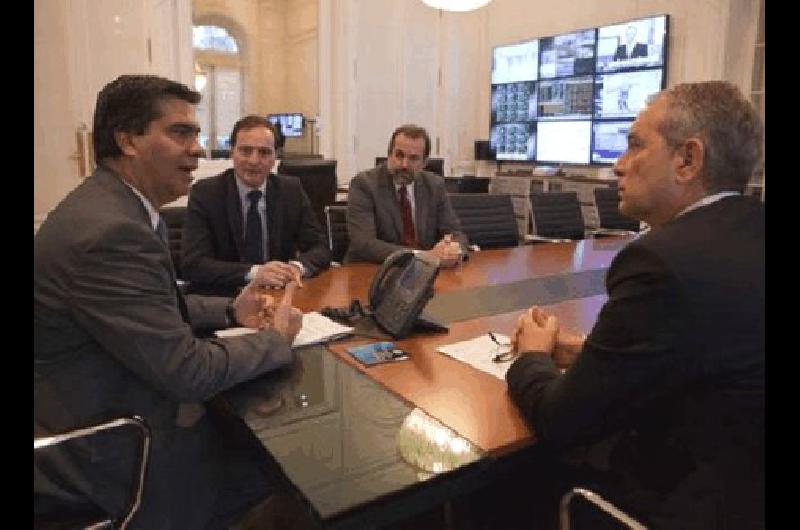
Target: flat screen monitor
(565, 99)
(564, 141)
(514, 102)
(291, 123)
(569, 54)
(514, 141)
(634, 44)
(515, 62)
(609, 140)
(624, 94)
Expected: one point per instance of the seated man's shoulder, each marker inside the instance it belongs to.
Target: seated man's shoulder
(217, 181)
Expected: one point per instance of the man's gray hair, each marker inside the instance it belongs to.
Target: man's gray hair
(718, 114)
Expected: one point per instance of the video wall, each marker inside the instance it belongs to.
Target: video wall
(571, 98)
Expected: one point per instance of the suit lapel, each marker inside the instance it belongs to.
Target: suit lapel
(234, 210)
(389, 198)
(274, 217)
(421, 206)
(115, 183)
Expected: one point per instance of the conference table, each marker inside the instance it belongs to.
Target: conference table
(365, 446)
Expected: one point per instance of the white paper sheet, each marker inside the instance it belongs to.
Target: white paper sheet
(316, 329)
(478, 352)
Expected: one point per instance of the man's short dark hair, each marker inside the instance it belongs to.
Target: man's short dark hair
(251, 122)
(412, 131)
(129, 104)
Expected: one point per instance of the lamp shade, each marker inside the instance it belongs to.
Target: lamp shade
(456, 5)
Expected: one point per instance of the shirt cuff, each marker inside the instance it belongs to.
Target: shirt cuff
(299, 266)
(251, 273)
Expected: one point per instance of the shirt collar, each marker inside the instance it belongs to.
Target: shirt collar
(245, 189)
(152, 212)
(708, 199)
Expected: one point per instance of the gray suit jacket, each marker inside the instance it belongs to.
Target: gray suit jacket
(110, 340)
(374, 224)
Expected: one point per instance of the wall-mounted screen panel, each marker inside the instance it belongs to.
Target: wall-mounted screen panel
(565, 99)
(570, 98)
(515, 62)
(514, 102)
(634, 44)
(570, 54)
(514, 141)
(563, 141)
(624, 94)
(609, 140)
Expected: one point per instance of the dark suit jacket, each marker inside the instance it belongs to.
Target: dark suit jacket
(373, 215)
(213, 233)
(110, 340)
(672, 374)
(639, 50)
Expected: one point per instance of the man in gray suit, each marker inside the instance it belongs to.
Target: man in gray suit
(399, 205)
(114, 336)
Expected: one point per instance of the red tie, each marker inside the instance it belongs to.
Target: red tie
(409, 238)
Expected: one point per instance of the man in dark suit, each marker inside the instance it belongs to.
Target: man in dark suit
(113, 335)
(631, 49)
(670, 380)
(398, 205)
(222, 250)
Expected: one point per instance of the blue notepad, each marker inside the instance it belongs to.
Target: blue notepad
(377, 353)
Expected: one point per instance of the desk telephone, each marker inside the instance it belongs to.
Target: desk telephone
(401, 288)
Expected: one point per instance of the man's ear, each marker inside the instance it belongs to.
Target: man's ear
(125, 142)
(691, 164)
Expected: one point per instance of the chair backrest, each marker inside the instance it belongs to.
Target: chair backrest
(557, 215)
(606, 201)
(318, 178)
(175, 217)
(434, 165)
(336, 226)
(597, 501)
(472, 184)
(487, 219)
(41, 444)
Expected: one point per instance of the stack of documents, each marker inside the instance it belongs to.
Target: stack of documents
(479, 353)
(316, 329)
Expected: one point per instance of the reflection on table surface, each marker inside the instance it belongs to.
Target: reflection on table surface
(339, 437)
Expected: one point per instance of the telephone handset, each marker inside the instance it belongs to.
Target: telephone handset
(401, 288)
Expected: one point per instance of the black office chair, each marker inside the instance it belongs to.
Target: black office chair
(175, 217)
(606, 201)
(70, 517)
(487, 220)
(318, 178)
(336, 225)
(434, 165)
(452, 184)
(472, 184)
(599, 502)
(557, 215)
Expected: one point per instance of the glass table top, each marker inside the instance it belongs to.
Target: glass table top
(342, 439)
